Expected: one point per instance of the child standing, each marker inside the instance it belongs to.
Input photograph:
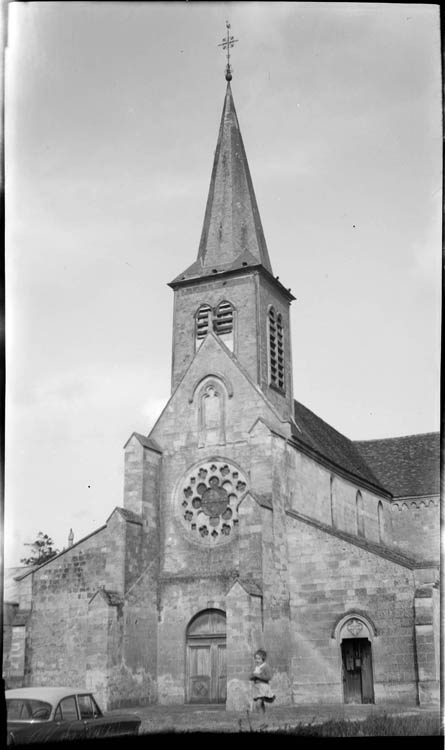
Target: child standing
(261, 676)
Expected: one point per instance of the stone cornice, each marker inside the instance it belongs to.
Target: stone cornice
(242, 271)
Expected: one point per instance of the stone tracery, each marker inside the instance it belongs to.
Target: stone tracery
(210, 498)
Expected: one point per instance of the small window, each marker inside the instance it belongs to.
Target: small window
(88, 707)
(19, 709)
(67, 709)
(276, 350)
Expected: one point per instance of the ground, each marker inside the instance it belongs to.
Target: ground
(188, 718)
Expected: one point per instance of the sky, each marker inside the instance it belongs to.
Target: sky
(112, 116)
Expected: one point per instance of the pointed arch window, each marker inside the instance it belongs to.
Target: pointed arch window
(202, 323)
(211, 412)
(381, 522)
(276, 349)
(360, 514)
(332, 499)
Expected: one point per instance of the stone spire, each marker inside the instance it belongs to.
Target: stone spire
(232, 235)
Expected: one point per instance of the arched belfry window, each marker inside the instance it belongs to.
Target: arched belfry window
(219, 319)
(360, 514)
(223, 323)
(276, 349)
(202, 323)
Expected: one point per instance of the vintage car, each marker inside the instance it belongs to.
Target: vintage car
(50, 714)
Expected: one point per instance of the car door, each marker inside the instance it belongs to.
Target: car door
(98, 725)
(68, 725)
(95, 724)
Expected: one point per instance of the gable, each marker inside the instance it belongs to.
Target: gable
(243, 401)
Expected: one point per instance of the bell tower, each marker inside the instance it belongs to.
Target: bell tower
(230, 289)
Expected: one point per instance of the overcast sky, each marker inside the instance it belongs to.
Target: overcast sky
(112, 116)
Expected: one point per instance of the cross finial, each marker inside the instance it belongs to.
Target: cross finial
(226, 44)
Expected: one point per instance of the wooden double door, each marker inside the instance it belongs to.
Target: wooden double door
(358, 683)
(206, 677)
(207, 671)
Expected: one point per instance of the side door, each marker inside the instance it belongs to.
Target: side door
(367, 678)
(351, 671)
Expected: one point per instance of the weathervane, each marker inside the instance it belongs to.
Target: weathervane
(227, 43)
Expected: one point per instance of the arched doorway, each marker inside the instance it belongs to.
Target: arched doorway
(206, 680)
(355, 637)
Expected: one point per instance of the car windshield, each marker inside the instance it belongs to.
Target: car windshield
(25, 709)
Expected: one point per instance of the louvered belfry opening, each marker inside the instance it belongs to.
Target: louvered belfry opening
(202, 323)
(223, 323)
(280, 351)
(276, 350)
(220, 320)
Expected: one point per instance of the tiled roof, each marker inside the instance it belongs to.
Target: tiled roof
(21, 617)
(145, 441)
(112, 598)
(129, 515)
(409, 466)
(249, 586)
(264, 499)
(332, 445)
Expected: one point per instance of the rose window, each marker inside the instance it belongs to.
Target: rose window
(210, 498)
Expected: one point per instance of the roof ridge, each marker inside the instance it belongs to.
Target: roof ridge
(398, 437)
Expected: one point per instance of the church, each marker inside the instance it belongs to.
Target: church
(247, 521)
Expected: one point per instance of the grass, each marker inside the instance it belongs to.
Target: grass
(379, 725)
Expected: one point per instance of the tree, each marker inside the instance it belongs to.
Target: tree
(43, 549)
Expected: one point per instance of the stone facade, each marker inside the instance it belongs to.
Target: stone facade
(411, 515)
(247, 521)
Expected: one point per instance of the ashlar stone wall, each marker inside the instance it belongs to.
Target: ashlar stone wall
(330, 578)
(415, 525)
(317, 492)
(58, 627)
(182, 598)
(241, 292)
